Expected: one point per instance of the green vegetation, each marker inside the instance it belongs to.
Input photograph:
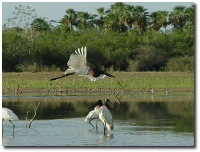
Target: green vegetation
(124, 38)
(131, 81)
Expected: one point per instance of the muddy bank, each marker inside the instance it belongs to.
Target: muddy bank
(97, 90)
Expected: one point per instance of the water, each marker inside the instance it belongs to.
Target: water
(138, 121)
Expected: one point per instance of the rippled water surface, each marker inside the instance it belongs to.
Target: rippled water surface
(138, 121)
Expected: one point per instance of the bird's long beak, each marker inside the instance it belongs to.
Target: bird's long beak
(108, 101)
(99, 102)
(94, 105)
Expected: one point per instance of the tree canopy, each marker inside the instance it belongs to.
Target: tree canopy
(124, 37)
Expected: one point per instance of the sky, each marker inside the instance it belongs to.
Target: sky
(56, 10)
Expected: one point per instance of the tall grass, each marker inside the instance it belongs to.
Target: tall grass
(128, 80)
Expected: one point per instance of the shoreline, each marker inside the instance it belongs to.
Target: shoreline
(126, 82)
(104, 91)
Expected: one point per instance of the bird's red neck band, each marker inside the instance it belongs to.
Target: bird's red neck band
(92, 71)
(98, 105)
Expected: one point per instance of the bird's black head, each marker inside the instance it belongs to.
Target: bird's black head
(98, 103)
(107, 101)
(97, 73)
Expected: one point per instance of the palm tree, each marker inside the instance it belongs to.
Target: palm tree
(164, 21)
(140, 16)
(85, 18)
(101, 12)
(158, 19)
(39, 24)
(178, 18)
(110, 21)
(128, 16)
(64, 23)
(189, 13)
(189, 26)
(118, 9)
(70, 18)
(155, 23)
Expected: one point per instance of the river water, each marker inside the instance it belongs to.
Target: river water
(162, 120)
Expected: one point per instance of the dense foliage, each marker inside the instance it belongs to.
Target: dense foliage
(125, 37)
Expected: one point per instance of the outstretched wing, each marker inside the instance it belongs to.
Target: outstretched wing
(78, 59)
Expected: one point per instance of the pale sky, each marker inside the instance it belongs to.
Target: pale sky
(56, 10)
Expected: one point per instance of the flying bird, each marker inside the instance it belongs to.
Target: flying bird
(78, 66)
(93, 115)
(9, 115)
(104, 115)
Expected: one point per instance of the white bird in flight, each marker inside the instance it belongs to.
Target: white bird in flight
(9, 115)
(104, 115)
(93, 115)
(78, 66)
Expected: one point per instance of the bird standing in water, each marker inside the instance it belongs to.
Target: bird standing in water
(93, 115)
(78, 66)
(9, 115)
(104, 115)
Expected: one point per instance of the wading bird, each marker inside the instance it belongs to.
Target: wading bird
(104, 115)
(78, 66)
(9, 115)
(93, 115)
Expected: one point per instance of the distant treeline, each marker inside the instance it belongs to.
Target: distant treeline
(125, 37)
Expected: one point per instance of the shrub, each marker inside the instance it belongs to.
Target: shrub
(147, 58)
(185, 63)
(51, 49)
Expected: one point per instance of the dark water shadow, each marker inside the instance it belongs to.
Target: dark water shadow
(177, 111)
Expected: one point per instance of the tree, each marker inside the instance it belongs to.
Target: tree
(128, 16)
(117, 7)
(155, 21)
(39, 24)
(114, 17)
(164, 21)
(22, 20)
(178, 18)
(158, 19)
(23, 17)
(69, 19)
(64, 24)
(101, 12)
(110, 21)
(189, 14)
(140, 15)
(85, 18)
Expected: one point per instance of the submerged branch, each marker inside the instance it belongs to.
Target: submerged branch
(26, 118)
(34, 115)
